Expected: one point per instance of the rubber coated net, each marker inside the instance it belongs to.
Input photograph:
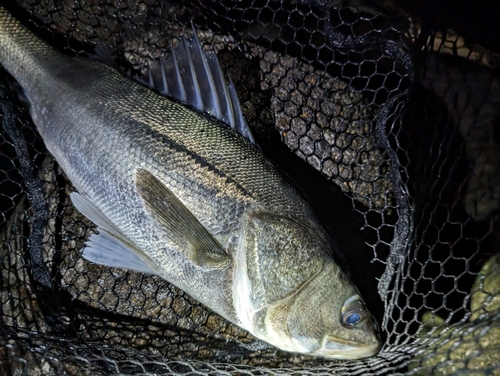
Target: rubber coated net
(392, 116)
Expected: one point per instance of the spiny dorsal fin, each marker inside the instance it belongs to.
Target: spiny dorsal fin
(195, 77)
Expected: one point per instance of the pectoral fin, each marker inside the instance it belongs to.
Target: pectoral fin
(179, 224)
(110, 247)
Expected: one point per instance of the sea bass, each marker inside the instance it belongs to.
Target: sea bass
(178, 193)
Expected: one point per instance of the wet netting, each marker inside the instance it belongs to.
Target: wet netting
(386, 113)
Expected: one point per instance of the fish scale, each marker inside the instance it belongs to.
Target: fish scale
(177, 193)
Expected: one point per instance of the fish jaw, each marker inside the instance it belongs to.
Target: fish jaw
(332, 349)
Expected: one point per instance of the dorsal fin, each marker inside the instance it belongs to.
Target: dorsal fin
(195, 77)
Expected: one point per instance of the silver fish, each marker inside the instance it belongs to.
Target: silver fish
(179, 194)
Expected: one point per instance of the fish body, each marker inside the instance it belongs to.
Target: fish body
(179, 194)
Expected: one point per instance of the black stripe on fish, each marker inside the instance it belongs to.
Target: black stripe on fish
(174, 145)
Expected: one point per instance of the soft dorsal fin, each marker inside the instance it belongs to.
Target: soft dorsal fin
(195, 77)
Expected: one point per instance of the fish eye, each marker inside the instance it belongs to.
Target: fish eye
(353, 312)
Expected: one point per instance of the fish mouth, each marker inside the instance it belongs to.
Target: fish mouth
(334, 350)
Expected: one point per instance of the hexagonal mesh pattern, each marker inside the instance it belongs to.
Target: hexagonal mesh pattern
(394, 129)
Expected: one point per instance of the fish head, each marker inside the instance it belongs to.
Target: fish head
(300, 299)
(326, 317)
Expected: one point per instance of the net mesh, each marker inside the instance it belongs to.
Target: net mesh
(392, 120)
